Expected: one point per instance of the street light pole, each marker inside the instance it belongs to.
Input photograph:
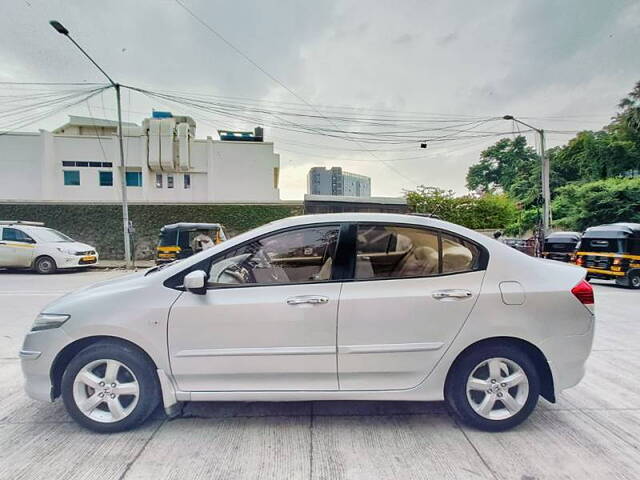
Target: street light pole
(546, 191)
(125, 206)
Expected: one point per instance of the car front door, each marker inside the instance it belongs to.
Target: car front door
(412, 292)
(267, 320)
(16, 248)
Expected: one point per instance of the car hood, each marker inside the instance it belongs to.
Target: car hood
(77, 246)
(107, 287)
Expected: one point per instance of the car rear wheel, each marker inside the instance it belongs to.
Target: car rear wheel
(493, 387)
(45, 265)
(110, 387)
(634, 280)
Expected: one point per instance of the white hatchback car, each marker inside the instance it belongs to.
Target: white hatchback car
(32, 245)
(323, 307)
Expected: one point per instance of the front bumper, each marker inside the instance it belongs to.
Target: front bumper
(37, 355)
(76, 261)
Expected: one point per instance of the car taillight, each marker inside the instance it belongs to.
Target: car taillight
(579, 260)
(584, 292)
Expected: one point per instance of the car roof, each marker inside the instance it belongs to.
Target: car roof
(613, 230)
(187, 225)
(364, 217)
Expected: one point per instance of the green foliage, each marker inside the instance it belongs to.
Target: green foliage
(510, 166)
(478, 212)
(578, 206)
(101, 225)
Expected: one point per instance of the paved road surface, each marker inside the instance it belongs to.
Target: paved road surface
(592, 432)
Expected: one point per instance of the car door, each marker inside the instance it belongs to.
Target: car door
(16, 248)
(412, 292)
(267, 320)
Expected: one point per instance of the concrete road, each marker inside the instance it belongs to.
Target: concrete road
(592, 432)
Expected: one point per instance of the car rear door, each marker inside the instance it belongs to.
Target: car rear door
(412, 292)
(16, 248)
(267, 321)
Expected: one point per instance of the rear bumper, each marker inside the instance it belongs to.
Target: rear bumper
(567, 356)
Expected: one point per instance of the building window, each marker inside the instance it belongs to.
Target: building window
(187, 180)
(158, 180)
(106, 179)
(133, 179)
(72, 177)
(169, 181)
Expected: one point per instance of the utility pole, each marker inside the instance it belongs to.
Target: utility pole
(126, 225)
(546, 192)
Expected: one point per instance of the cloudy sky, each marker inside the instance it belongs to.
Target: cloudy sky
(561, 65)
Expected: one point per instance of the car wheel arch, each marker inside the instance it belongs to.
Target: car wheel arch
(547, 389)
(65, 356)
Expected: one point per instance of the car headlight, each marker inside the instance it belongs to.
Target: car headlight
(68, 251)
(45, 321)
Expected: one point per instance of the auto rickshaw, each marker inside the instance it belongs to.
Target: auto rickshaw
(611, 252)
(560, 246)
(181, 240)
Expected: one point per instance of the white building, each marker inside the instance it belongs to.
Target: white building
(79, 162)
(335, 181)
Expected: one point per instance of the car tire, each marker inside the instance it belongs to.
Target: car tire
(45, 265)
(475, 394)
(110, 387)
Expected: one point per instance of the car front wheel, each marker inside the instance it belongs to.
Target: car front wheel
(493, 387)
(45, 265)
(110, 387)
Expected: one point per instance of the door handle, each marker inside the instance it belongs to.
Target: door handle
(307, 299)
(456, 294)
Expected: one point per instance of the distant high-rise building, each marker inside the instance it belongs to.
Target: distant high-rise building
(335, 181)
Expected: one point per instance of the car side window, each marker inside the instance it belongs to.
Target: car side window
(458, 255)
(390, 251)
(15, 235)
(295, 256)
(387, 251)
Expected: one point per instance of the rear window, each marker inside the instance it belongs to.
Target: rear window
(612, 245)
(559, 247)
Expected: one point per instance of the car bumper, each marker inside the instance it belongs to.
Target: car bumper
(37, 355)
(75, 261)
(567, 356)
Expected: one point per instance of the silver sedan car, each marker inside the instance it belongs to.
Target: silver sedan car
(323, 307)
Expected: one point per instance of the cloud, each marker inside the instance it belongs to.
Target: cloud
(564, 64)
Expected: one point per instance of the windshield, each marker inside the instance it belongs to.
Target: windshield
(51, 235)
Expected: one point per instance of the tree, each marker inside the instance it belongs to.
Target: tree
(579, 206)
(478, 212)
(505, 165)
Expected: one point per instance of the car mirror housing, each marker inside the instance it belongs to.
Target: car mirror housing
(196, 282)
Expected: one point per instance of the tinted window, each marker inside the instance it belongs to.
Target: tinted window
(72, 177)
(603, 245)
(106, 179)
(296, 256)
(458, 255)
(15, 235)
(133, 179)
(385, 251)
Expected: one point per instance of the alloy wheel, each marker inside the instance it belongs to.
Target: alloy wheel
(497, 388)
(106, 390)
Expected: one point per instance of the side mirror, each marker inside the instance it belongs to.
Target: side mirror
(196, 282)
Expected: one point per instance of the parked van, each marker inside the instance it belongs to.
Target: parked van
(45, 250)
